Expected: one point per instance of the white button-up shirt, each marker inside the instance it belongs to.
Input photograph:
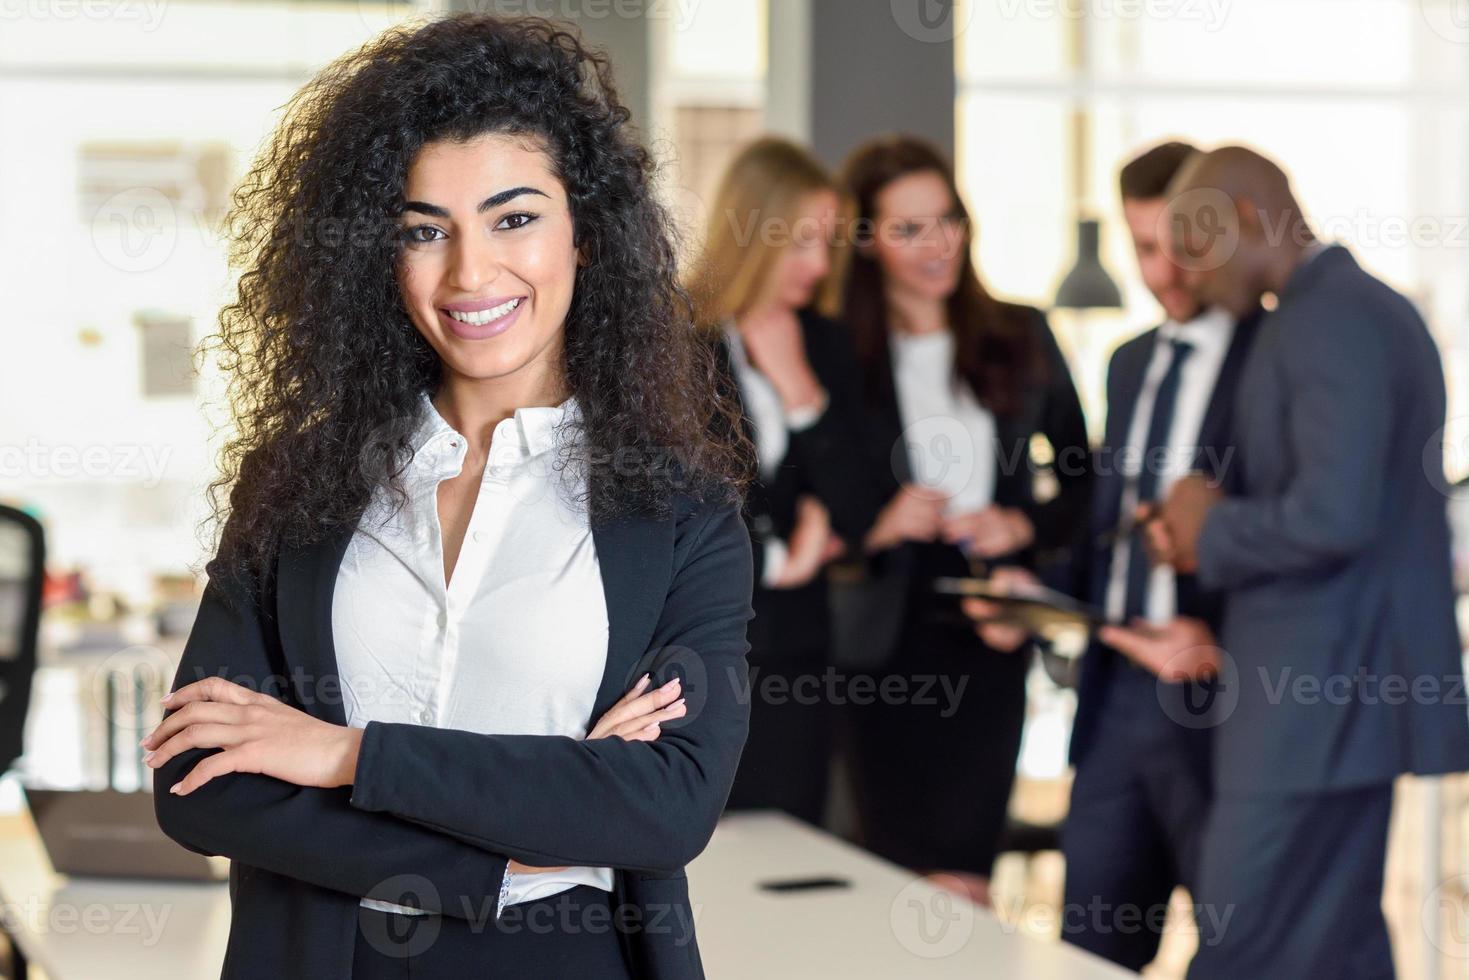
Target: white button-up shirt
(949, 435)
(1209, 334)
(516, 643)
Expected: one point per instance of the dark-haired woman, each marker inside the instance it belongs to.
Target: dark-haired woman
(766, 259)
(481, 522)
(957, 385)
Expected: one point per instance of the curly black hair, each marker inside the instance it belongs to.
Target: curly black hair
(325, 366)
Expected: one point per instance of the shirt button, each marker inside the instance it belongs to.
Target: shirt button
(426, 715)
(443, 618)
(478, 535)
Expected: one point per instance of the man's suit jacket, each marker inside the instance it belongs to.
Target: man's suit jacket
(1335, 552)
(436, 813)
(1125, 374)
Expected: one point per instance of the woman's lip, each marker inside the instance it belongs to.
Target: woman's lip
(474, 306)
(480, 331)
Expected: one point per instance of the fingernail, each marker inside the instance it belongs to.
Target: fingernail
(144, 741)
(148, 756)
(167, 697)
(175, 787)
(642, 682)
(670, 685)
(680, 701)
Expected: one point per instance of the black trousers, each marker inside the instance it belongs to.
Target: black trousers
(570, 935)
(1291, 886)
(1135, 823)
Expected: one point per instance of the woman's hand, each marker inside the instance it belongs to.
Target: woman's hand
(916, 513)
(990, 533)
(258, 733)
(811, 545)
(998, 634)
(639, 717)
(636, 717)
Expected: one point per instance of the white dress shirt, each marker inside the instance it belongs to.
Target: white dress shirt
(948, 435)
(517, 641)
(1210, 335)
(773, 426)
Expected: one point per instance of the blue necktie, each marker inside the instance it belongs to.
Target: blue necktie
(1155, 454)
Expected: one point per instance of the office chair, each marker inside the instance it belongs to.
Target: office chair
(22, 573)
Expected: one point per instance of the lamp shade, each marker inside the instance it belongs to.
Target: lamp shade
(1087, 285)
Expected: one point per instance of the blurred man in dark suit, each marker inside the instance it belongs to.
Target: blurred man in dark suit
(1339, 656)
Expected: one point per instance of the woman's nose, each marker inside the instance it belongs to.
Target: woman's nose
(474, 263)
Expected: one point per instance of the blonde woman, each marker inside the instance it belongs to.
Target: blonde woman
(766, 261)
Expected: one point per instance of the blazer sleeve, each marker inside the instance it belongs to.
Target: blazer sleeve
(550, 800)
(307, 833)
(1061, 522)
(1339, 430)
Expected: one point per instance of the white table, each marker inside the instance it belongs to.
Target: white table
(107, 929)
(887, 924)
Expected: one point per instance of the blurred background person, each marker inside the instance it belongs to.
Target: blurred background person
(1333, 555)
(767, 255)
(1141, 790)
(955, 385)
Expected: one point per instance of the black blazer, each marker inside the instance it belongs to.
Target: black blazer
(1125, 375)
(827, 460)
(436, 813)
(1051, 408)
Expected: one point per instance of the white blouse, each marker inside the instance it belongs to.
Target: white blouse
(516, 644)
(948, 435)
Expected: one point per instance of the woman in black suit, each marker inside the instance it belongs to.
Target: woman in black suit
(957, 385)
(766, 258)
(431, 706)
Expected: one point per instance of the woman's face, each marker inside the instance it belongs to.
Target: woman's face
(920, 237)
(806, 259)
(488, 262)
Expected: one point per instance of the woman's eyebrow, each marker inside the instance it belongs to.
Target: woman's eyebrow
(493, 201)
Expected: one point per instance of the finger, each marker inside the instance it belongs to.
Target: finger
(189, 714)
(643, 705)
(198, 736)
(218, 764)
(636, 689)
(647, 733)
(213, 689)
(655, 721)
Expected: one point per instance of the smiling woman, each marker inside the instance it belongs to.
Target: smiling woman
(483, 521)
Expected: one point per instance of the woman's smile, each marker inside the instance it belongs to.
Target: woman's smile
(480, 319)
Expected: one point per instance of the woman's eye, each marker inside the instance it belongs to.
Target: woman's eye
(519, 219)
(421, 234)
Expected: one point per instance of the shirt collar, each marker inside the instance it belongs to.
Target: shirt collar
(1211, 330)
(534, 427)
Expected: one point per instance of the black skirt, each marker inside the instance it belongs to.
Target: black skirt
(932, 755)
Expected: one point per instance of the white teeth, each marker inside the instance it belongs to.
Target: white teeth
(485, 316)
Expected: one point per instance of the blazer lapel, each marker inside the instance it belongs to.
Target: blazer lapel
(636, 559)
(306, 578)
(1216, 431)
